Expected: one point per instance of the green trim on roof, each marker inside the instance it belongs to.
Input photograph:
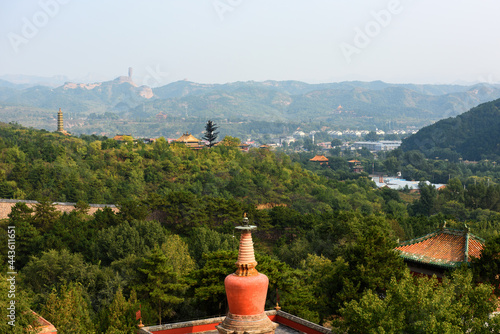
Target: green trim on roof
(437, 262)
(430, 261)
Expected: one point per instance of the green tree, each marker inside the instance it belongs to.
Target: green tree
(45, 215)
(160, 284)
(231, 141)
(180, 210)
(54, 269)
(120, 315)
(315, 272)
(28, 238)
(294, 253)
(425, 205)
(487, 267)
(132, 209)
(336, 142)
(135, 237)
(68, 309)
(392, 165)
(309, 145)
(454, 191)
(295, 295)
(367, 262)
(203, 240)
(424, 305)
(208, 290)
(82, 207)
(210, 133)
(177, 253)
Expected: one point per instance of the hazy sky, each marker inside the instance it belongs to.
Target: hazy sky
(217, 41)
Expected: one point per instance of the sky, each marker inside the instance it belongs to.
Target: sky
(219, 41)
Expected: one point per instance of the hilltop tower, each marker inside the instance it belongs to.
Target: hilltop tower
(246, 291)
(60, 124)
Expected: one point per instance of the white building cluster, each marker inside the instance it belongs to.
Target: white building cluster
(383, 145)
(397, 183)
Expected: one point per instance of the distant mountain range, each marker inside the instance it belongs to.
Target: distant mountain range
(473, 135)
(121, 94)
(366, 102)
(352, 104)
(26, 81)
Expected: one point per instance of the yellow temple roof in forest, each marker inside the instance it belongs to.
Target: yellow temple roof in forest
(187, 138)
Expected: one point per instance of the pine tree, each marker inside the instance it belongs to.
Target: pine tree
(161, 284)
(45, 215)
(69, 310)
(120, 315)
(210, 134)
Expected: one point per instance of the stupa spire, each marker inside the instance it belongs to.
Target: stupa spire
(246, 256)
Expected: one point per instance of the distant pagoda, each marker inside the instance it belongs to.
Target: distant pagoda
(60, 123)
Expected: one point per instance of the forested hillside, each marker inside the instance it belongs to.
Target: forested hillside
(94, 169)
(474, 135)
(325, 235)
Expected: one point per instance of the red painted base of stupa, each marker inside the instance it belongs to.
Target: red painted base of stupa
(246, 295)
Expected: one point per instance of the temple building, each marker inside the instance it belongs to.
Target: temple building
(439, 251)
(356, 166)
(244, 147)
(321, 159)
(246, 291)
(190, 141)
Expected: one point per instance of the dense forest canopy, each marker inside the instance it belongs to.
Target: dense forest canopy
(325, 235)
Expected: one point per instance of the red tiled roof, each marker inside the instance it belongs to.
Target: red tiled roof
(321, 158)
(446, 248)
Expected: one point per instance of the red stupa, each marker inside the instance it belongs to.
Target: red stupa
(246, 292)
